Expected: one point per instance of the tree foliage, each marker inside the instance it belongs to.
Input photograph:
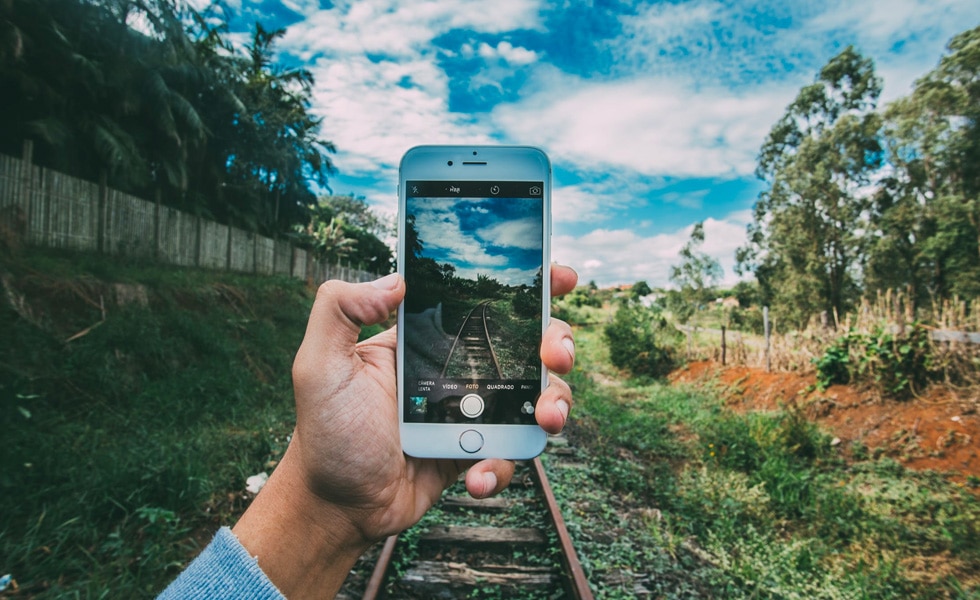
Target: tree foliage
(860, 200)
(805, 245)
(345, 229)
(696, 276)
(153, 95)
(927, 213)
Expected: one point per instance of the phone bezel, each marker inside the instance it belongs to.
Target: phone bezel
(473, 163)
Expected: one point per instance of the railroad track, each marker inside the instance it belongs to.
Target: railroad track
(472, 355)
(513, 545)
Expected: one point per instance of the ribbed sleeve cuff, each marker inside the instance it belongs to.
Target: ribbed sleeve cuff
(223, 570)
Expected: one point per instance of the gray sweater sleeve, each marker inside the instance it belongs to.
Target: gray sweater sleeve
(223, 570)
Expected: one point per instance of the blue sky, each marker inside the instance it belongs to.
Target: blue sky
(652, 112)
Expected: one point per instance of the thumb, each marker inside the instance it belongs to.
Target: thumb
(339, 311)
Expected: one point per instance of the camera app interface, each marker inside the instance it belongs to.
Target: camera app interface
(472, 317)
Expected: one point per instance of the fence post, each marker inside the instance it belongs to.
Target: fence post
(255, 252)
(157, 254)
(723, 349)
(100, 207)
(228, 250)
(25, 184)
(765, 325)
(197, 246)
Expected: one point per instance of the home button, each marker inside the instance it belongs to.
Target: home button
(471, 441)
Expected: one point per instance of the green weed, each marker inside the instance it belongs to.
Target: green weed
(123, 439)
(757, 505)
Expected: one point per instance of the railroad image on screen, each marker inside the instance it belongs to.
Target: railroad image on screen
(472, 317)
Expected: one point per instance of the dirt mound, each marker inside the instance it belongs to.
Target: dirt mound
(938, 430)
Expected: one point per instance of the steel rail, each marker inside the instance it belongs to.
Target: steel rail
(484, 328)
(578, 586)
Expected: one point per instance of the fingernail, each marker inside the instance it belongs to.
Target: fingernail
(563, 408)
(569, 345)
(489, 483)
(388, 282)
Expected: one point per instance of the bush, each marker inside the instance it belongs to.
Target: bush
(892, 363)
(834, 366)
(639, 341)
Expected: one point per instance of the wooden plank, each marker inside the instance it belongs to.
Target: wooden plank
(946, 335)
(489, 504)
(430, 574)
(484, 536)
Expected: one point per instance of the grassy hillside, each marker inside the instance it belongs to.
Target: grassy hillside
(135, 400)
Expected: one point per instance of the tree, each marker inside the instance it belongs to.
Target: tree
(98, 96)
(278, 149)
(167, 107)
(640, 288)
(927, 225)
(806, 243)
(696, 276)
(346, 229)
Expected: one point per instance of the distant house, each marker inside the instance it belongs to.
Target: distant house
(651, 299)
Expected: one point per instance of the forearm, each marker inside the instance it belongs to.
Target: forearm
(304, 545)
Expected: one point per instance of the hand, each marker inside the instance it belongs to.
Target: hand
(344, 482)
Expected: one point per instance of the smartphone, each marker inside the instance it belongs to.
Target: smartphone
(474, 233)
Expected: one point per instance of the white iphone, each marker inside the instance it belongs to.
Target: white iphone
(474, 232)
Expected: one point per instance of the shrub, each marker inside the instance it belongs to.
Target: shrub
(834, 366)
(894, 363)
(639, 341)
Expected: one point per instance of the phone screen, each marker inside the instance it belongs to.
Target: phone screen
(473, 307)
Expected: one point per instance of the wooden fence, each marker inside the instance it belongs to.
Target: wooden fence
(43, 207)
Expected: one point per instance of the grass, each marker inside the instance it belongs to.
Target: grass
(125, 447)
(706, 503)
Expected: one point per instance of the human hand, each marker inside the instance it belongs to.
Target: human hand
(344, 482)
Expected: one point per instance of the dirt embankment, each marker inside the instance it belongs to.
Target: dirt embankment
(938, 431)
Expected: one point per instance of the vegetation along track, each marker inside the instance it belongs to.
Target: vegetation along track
(511, 546)
(472, 351)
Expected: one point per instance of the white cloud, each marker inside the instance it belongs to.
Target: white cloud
(597, 201)
(439, 229)
(378, 86)
(521, 233)
(656, 127)
(508, 53)
(612, 256)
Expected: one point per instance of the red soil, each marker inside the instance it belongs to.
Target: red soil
(938, 431)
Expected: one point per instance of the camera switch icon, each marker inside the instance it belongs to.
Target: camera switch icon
(535, 190)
